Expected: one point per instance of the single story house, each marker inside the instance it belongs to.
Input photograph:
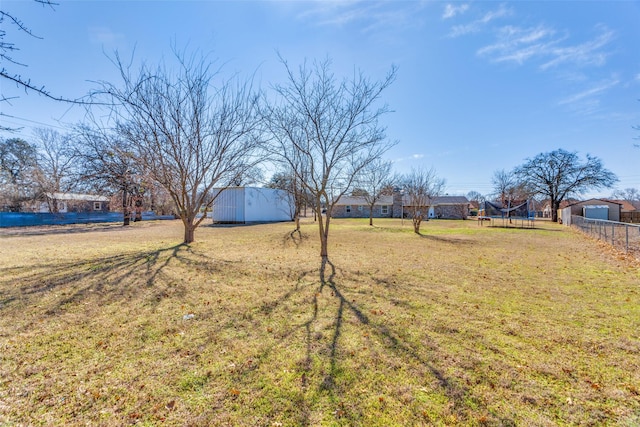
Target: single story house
(358, 207)
(237, 205)
(398, 206)
(72, 202)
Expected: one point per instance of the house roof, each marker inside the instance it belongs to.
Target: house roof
(388, 200)
(360, 200)
(626, 205)
(450, 200)
(594, 199)
(77, 196)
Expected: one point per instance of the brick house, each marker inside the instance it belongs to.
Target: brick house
(397, 206)
(357, 207)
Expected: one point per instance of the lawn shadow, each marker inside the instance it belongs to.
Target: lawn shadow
(390, 339)
(54, 286)
(47, 230)
(452, 240)
(295, 237)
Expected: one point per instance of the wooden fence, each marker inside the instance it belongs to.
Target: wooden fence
(632, 217)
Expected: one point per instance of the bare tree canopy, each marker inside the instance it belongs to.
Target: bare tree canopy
(56, 162)
(107, 163)
(18, 164)
(631, 195)
(508, 187)
(327, 130)
(420, 187)
(188, 133)
(290, 184)
(559, 174)
(375, 181)
(475, 196)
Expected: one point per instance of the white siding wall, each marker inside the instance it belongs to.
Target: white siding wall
(229, 205)
(266, 204)
(251, 204)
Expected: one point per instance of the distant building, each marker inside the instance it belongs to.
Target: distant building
(237, 205)
(72, 202)
(592, 208)
(398, 206)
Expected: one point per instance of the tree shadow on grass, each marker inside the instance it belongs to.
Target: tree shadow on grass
(332, 384)
(452, 240)
(457, 393)
(295, 238)
(52, 286)
(45, 230)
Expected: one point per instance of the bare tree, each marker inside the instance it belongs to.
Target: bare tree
(56, 165)
(504, 184)
(297, 198)
(187, 133)
(509, 189)
(631, 195)
(559, 174)
(421, 186)
(18, 165)
(475, 196)
(375, 181)
(327, 131)
(107, 164)
(628, 194)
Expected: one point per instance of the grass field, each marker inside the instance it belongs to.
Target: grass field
(464, 325)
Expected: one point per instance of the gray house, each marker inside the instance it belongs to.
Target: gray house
(358, 207)
(397, 206)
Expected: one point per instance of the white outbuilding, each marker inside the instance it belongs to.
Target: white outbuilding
(251, 204)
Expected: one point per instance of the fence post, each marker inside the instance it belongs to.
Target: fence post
(613, 229)
(626, 229)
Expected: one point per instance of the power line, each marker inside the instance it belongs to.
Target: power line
(3, 115)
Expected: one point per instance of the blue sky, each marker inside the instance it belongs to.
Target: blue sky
(481, 86)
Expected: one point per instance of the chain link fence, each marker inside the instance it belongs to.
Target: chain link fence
(621, 235)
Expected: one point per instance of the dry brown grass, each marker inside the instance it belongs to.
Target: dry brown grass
(463, 325)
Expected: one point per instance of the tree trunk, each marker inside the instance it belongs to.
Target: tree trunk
(189, 232)
(323, 228)
(555, 205)
(371, 215)
(296, 219)
(125, 208)
(416, 225)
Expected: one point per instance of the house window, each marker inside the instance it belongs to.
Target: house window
(384, 209)
(348, 209)
(359, 208)
(97, 206)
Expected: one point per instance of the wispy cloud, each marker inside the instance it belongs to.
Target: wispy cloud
(589, 94)
(371, 15)
(518, 45)
(451, 10)
(415, 156)
(105, 36)
(480, 23)
(588, 53)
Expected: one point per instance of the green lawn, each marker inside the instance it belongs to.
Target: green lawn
(464, 325)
